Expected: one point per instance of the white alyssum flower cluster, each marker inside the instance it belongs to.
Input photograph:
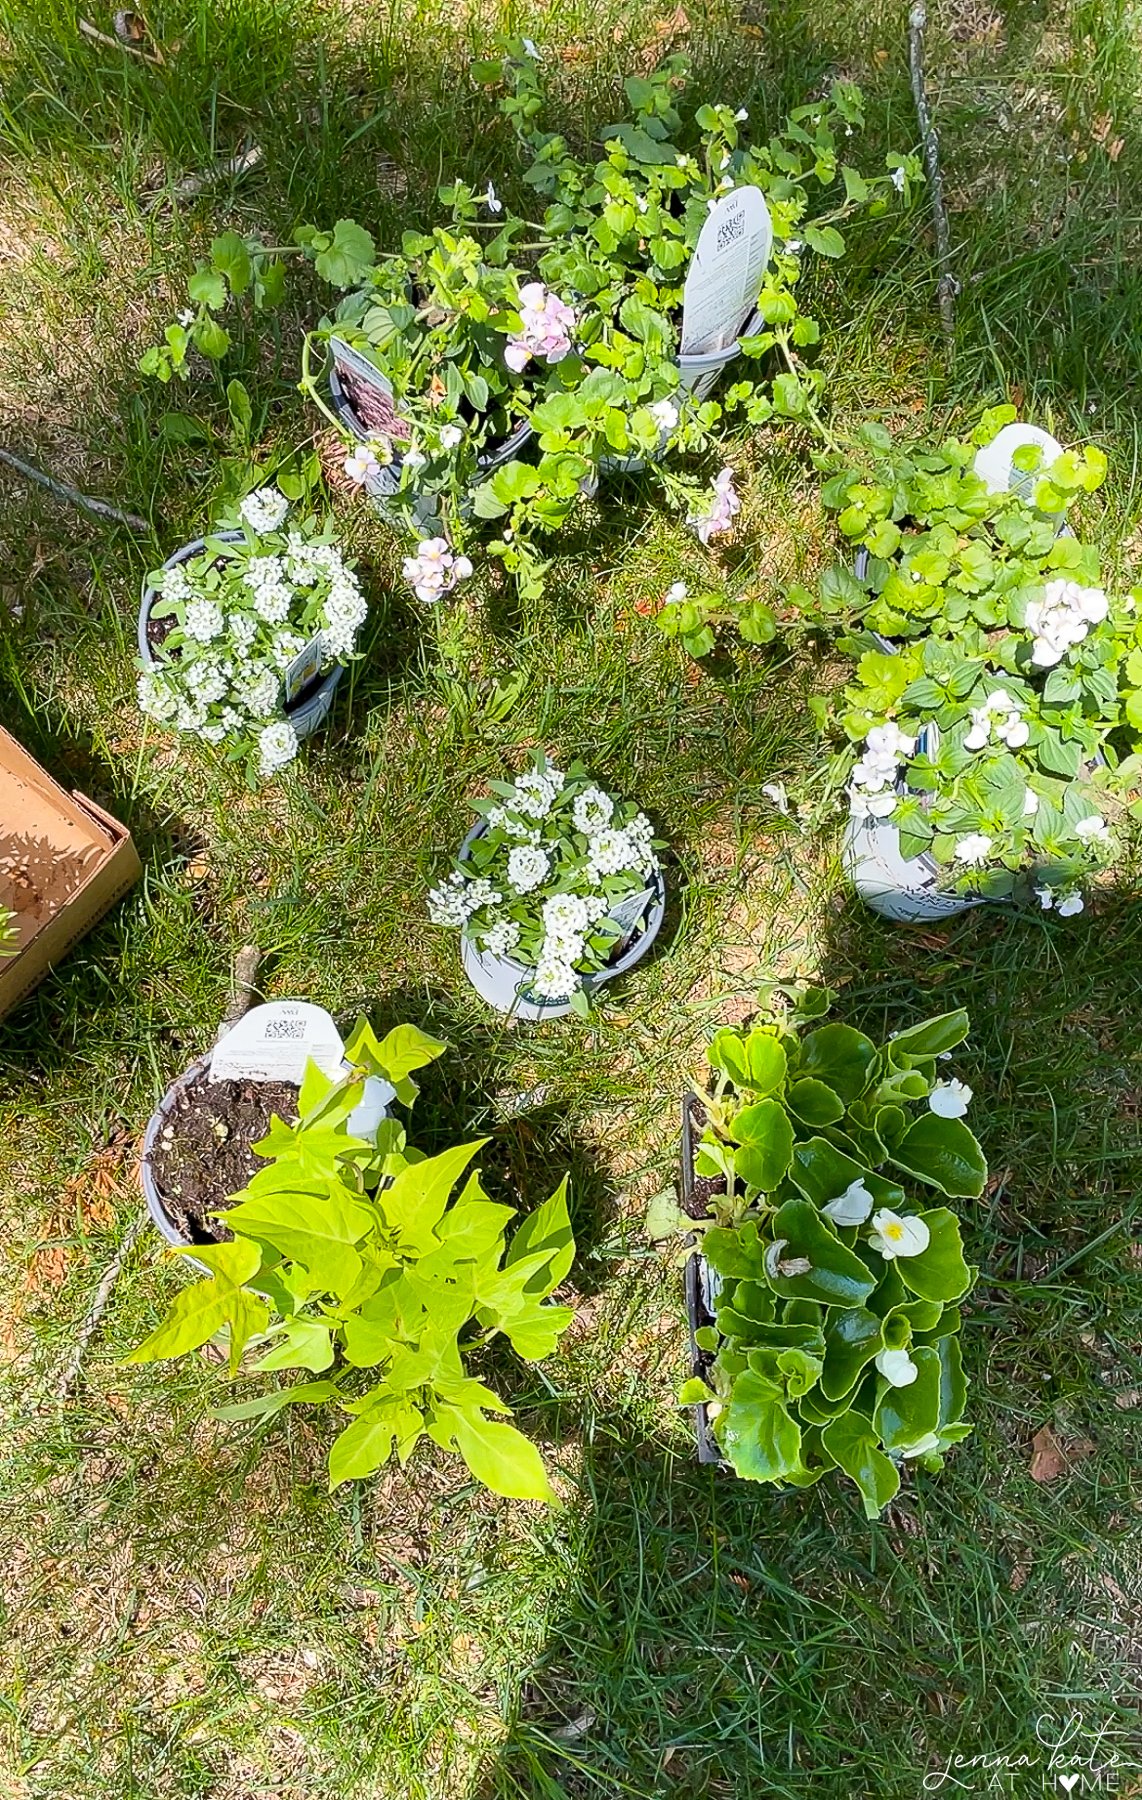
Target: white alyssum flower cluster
(239, 621)
(1062, 618)
(558, 855)
(872, 784)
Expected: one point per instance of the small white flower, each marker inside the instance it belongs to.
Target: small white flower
(1067, 905)
(775, 791)
(894, 1236)
(187, 316)
(492, 200)
(974, 849)
(852, 1207)
(277, 745)
(897, 1367)
(898, 179)
(678, 592)
(450, 436)
(1030, 803)
(414, 459)
(592, 811)
(793, 246)
(1093, 829)
(360, 464)
(950, 1099)
(264, 509)
(741, 115)
(529, 49)
(665, 414)
(556, 979)
(1046, 897)
(203, 621)
(527, 868)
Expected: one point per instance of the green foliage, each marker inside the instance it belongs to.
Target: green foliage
(837, 1311)
(351, 1255)
(695, 621)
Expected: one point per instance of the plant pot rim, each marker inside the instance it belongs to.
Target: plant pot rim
(487, 457)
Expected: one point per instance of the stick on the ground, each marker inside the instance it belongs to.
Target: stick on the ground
(947, 287)
(116, 43)
(101, 508)
(245, 975)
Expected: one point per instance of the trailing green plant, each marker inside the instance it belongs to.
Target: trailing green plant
(836, 1337)
(995, 712)
(569, 325)
(351, 1260)
(696, 620)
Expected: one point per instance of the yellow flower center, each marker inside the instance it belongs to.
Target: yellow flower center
(894, 1232)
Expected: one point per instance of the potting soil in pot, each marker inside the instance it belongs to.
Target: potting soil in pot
(699, 1190)
(202, 1157)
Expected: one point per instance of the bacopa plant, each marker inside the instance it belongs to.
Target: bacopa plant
(995, 712)
(357, 1262)
(836, 1336)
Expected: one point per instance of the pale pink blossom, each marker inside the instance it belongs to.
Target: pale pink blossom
(546, 327)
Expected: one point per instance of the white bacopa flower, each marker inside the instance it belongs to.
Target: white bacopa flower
(1046, 897)
(1030, 803)
(1000, 717)
(676, 593)
(264, 509)
(775, 791)
(897, 1367)
(361, 463)
(894, 1236)
(186, 316)
(450, 436)
(1062, 619)
(546, 327)
(529, 49)
(592, 811)
(203, 621)
(1067, 905)
(898, 180)
(974, 849)
(665, 414)
(435, 569)
(492, 200)
(277, 745)
(852, 1207)
(793, 246)
(741, 115)
(872, 784)
(1093, 829)
(527, 867)
(414, 459)
(950, 1099)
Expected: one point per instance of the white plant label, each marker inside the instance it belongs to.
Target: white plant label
(368, 392)
(726, 272)
(304, 668)
(994, 465)
(274, 1042)
(628, 912)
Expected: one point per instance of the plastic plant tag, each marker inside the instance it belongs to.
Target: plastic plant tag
(305, 667)
(374, 1104)
(368, 392)
(994, 465)
(274, 1042)
(627, 913)
(726, 272)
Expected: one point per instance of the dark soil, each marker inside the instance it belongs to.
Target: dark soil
(202, 1157)
(698, 1190)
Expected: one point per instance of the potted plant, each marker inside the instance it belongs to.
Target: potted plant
(824, 1296)
(346, 1260)
(243, 635)
(445, 358)
(557, 889)
(994, 712)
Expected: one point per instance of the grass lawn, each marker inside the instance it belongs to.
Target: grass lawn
(186, 1612)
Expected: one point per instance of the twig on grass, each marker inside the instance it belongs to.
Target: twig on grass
(101, 508)
(245, 975)
(117, 43)
(947, 287)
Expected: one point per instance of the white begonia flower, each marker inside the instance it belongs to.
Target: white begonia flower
(277, 745)
(897, 1367)
(950, 1099)
(1067, 905)
(974, 849)
(894, 1236)
(492, 200)
(264, 509)
(898, 180)
(527, 867)
(450, 436)
(1030, 803)
(852, 1207)
(1093, 829)
(665, 414)
(592, 811)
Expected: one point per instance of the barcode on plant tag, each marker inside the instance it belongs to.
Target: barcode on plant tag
(283, 1030)
(730, 230)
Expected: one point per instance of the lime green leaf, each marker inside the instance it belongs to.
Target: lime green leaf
(350, 258)
(318, 1231)
(945, 1154)
(306, 1393)
(195, 1316)
(547, 1229)
(766, 1063)
(415, 1199)
(939, 1272)
(305, 1344)
(825, 240)
(230, 256)
(363, 1446)
(236, 1261)
(757, 1433)
(497, 1454)
(851, 1441)
(395, 1056)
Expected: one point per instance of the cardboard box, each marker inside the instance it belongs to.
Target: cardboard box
(63, 863)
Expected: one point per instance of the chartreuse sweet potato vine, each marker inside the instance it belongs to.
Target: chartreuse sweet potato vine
(349, 1262)
(836, 1340)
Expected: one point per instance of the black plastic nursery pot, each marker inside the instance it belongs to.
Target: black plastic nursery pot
(505, 983)
(308, 710)
(702, 1286)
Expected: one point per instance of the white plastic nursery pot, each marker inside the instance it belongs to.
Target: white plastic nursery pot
(308, 711)
(382, 486)
(362, 1123)
(506, 984)
(697, 375)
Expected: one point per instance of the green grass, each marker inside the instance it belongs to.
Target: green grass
(187, 1613)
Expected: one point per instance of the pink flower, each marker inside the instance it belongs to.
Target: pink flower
(546, 327)
(724, 503)
(434, 571)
